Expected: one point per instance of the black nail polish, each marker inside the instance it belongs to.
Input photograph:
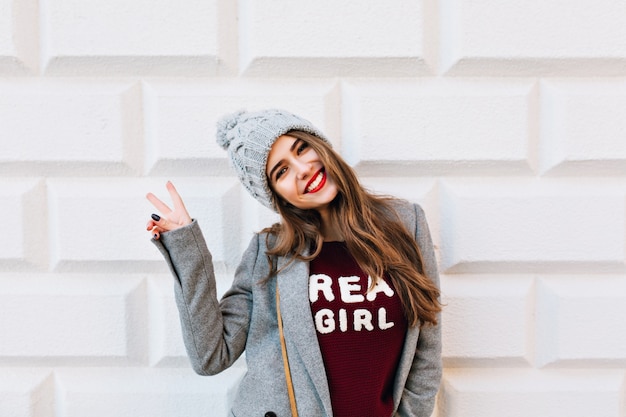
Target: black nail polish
(156, 217)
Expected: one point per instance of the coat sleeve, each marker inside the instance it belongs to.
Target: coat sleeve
(418, 398)
(214, 332)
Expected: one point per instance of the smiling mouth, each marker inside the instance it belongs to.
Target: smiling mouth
(316, 183)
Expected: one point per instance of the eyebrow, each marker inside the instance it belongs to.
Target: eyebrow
(293, 146)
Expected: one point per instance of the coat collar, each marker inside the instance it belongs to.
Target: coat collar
(299, 329)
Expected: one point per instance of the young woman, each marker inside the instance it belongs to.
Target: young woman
(354, 275)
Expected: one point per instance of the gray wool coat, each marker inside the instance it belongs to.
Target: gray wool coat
(216, 332)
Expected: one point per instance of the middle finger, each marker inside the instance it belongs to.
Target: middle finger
(158, 204)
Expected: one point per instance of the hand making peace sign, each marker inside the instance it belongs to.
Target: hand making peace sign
(169, 219)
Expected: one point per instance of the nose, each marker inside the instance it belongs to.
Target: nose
(303, 170)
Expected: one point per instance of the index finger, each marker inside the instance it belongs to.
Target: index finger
(176, 199)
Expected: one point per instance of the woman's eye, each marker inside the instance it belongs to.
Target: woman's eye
(302, 147)
(280, 172)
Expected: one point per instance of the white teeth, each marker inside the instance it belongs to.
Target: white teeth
(315, 183)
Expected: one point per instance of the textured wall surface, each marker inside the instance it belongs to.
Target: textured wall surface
(505, 120)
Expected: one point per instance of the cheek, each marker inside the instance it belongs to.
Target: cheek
(280, 191)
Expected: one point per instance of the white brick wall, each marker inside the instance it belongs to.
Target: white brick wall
(505, 120)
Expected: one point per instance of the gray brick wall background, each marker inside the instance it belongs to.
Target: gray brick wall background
(504, 120)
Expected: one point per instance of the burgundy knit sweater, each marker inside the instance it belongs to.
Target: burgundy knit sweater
(360, 335)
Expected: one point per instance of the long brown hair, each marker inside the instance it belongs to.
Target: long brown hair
(373, 232)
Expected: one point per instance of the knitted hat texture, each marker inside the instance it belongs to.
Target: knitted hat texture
(248, 138)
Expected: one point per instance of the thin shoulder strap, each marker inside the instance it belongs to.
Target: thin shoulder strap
(292, 397)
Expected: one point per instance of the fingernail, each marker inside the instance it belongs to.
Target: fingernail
(156, 236)
(156, 217)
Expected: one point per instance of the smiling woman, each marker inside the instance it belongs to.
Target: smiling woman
(354, 274)
(298, 175)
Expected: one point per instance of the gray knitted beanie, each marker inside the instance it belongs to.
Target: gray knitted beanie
(248, 138)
